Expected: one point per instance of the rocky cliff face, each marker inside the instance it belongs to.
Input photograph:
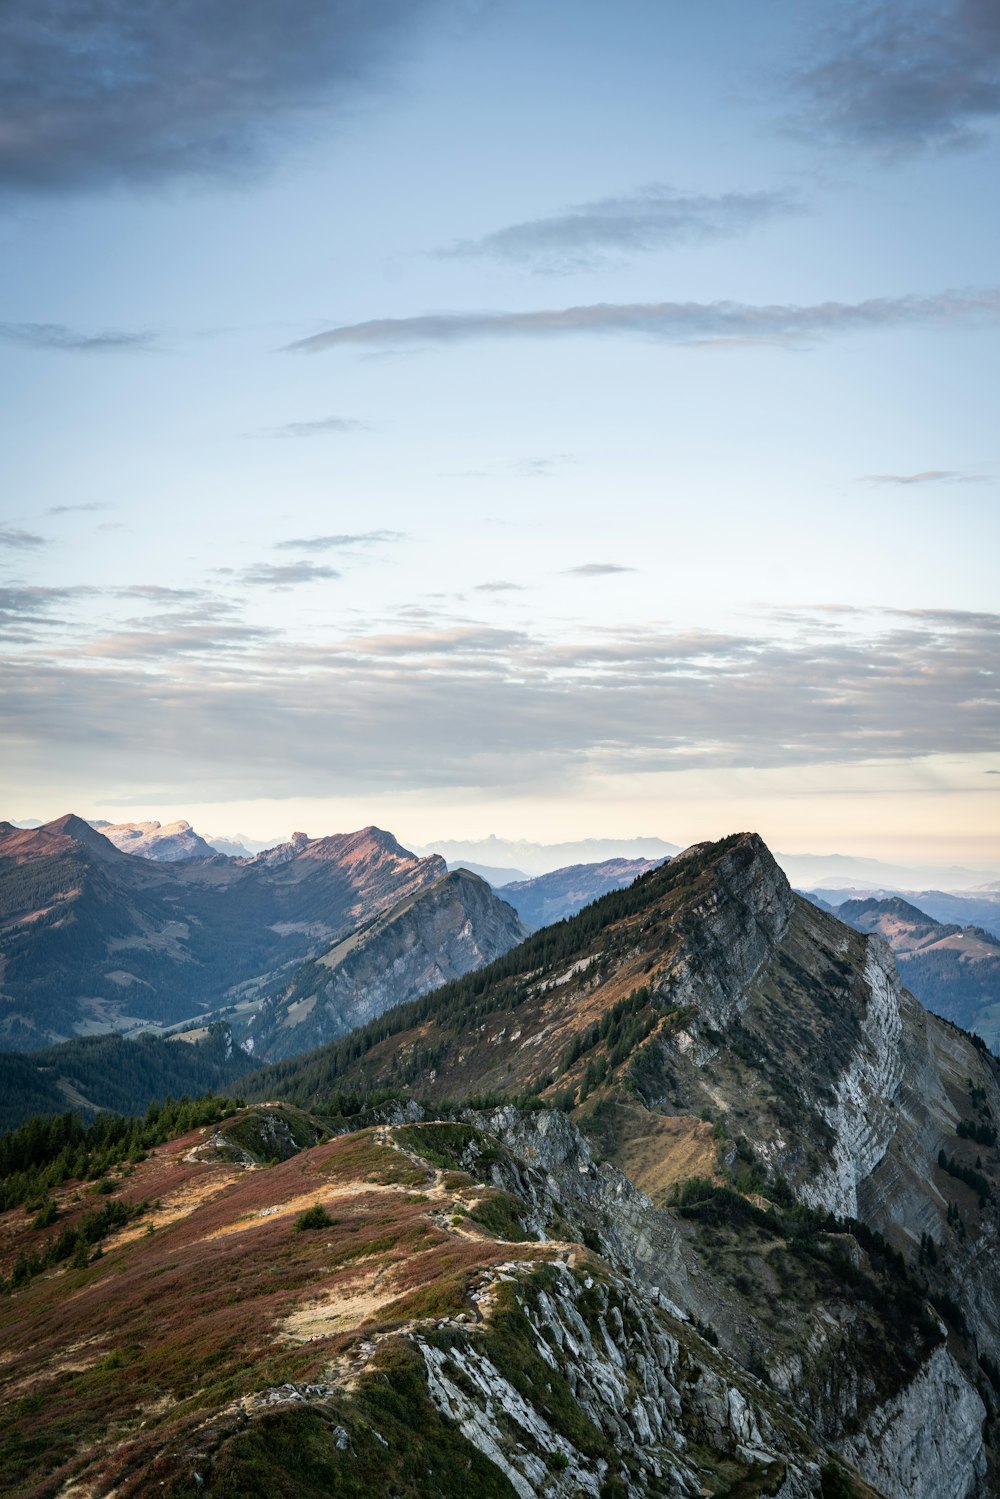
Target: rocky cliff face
(454, 926)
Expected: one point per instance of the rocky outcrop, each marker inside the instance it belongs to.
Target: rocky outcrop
(165, 842)
(454, 926)
(727, 937)
(861, 1113)
(927, 1442)
(647, 1383)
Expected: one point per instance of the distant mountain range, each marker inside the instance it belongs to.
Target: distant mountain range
(563, 892)
(524, 860)
(154, 840)
(439, 933)
(502, 861)
(838, 871)
(93, 939)
(977, 908)
(953, 970)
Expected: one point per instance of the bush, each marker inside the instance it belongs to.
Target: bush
(314, 1217)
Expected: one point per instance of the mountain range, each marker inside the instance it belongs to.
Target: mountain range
(953, 970)
(977, 908)
(683, 1195)
(95, 939)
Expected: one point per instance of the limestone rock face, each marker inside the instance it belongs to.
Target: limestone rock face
(442, 933)
(165, 842)
(729, 935)
(650, 1385)
(928, 1440)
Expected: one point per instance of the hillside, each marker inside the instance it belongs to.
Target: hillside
(440, 933)
(662, 1019)
(93, 940)
(953, 970)
(561, 893)
(113, 1073)
(622, 1248)
(253, 1308)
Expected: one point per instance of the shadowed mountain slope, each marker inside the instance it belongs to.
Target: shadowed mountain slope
(973, 908)
(439, 933)
(553, 897)
(408, 1310)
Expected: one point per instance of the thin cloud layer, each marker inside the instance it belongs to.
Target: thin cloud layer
(140, 90)
(287, 574)
(226, 709)
(70, 340)
(77, 509)
(597, 570)
(675, 322)
(339, 539)
(925, 476)
(327, 426)
(19, 541)
(900, 75)
(591, 235)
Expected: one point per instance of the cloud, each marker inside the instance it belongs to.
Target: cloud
(159, 643)
(327, 426)
(590, 235)
(68, 340)
(499, 587)
(73, 509)
(925, 476)
(287, 574)
(157, 593)
(138, 90)
(202, 712)
(900, 75)
(18, 540)
(676, 322)
(340, 539)
(31, 603)
(516, 468)
(597, 570)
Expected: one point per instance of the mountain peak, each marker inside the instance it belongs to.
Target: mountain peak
(77, 828)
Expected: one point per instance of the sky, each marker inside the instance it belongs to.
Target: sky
(553, 419)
